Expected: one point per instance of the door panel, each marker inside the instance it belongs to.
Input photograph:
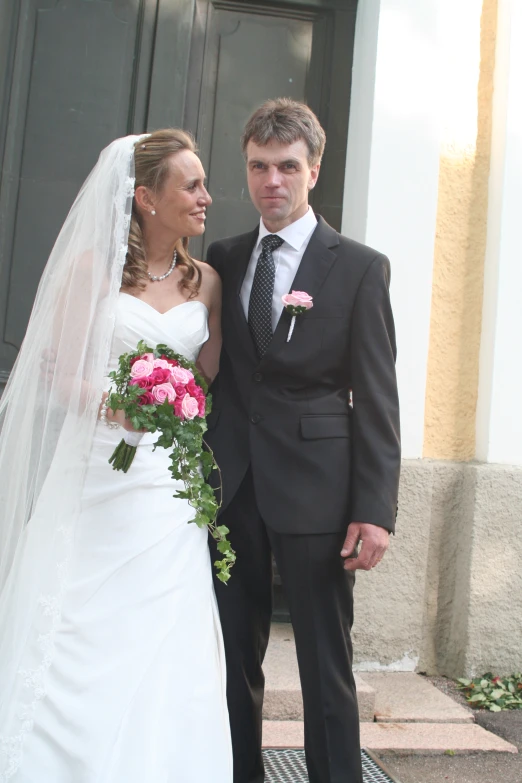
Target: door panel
(249, 59)
(75, 87)
(252, 52)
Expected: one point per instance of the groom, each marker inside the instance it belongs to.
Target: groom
(305, 475)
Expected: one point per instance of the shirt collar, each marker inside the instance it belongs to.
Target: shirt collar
(296, 233)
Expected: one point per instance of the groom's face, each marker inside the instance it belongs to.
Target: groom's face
(279, 180)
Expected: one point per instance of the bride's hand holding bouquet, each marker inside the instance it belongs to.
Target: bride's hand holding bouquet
(157, 390)
(116, 417)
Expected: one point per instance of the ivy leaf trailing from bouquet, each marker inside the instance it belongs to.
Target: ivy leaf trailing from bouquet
(161, 391)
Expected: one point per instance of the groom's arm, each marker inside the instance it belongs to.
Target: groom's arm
(376, 452)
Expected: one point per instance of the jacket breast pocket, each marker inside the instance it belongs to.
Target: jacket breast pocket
(334, 425)
(323, 312)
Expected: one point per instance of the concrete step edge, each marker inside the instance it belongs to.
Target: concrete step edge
(284, 702)
(415, 738)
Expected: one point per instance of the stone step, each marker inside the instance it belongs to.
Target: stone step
(404, 697)
(283, 701)
(415, 738)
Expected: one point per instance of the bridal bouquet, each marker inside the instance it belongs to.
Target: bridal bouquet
(160, 391)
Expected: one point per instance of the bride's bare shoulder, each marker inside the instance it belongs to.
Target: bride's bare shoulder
(209, 276)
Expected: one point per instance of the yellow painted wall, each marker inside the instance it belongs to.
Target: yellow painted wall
(453, 359)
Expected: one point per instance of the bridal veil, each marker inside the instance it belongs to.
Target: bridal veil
(47, 418)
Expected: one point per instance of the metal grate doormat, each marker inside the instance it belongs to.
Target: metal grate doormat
(288, 766)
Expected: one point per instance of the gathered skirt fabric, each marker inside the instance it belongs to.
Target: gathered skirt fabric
(136, 691)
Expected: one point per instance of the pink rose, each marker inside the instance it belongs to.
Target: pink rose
(180, 390)
(195, 390)
(143, 383)
(189, 407)
(173, 362)
(298, 299)
(180, 375)
(141, 369)
(178, 402)
(164, 391)
(161, 363)
(202, 405)
(146, 399)
(149, 357)
(160, 375)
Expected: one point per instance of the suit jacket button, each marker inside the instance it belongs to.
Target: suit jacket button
(258, 377)
(255, 418)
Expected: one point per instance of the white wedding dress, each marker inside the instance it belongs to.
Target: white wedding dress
(136, 692)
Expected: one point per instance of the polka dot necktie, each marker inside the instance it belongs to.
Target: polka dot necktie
(260, 304)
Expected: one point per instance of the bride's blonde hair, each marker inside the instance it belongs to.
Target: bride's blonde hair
(151, 161)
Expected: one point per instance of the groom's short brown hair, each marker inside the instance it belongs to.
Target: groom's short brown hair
(285, 121)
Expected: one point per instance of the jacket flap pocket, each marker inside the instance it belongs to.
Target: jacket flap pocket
(325, 426)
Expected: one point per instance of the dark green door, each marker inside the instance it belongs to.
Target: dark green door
(75, 74)
(246, 52)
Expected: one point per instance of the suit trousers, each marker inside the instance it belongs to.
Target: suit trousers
(320, 597)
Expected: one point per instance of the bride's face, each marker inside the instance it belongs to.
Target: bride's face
(181, 204)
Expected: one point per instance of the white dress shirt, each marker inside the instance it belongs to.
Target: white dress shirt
(287, 258)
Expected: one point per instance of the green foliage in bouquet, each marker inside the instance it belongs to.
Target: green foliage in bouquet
(191, 460)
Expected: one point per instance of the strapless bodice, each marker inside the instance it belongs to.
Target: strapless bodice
(184, 328)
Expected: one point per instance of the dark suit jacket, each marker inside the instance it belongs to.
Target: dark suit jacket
(317, 463)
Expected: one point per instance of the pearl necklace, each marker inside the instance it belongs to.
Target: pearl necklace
(157, 278)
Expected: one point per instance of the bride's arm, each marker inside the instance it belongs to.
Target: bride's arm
(65, 364)
(208, 360)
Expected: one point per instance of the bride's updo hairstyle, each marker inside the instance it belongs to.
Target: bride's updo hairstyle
(151, 161)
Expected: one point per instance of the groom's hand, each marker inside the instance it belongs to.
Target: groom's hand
(374, 543)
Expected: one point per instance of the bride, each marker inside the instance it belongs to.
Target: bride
(111, 656)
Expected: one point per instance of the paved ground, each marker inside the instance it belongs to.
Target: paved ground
(472, 768)
(413, 713)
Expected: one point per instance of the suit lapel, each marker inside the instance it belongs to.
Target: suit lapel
(318, 259)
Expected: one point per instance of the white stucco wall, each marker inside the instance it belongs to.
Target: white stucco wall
(499, 412)
(392, 170)
(436, 603)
